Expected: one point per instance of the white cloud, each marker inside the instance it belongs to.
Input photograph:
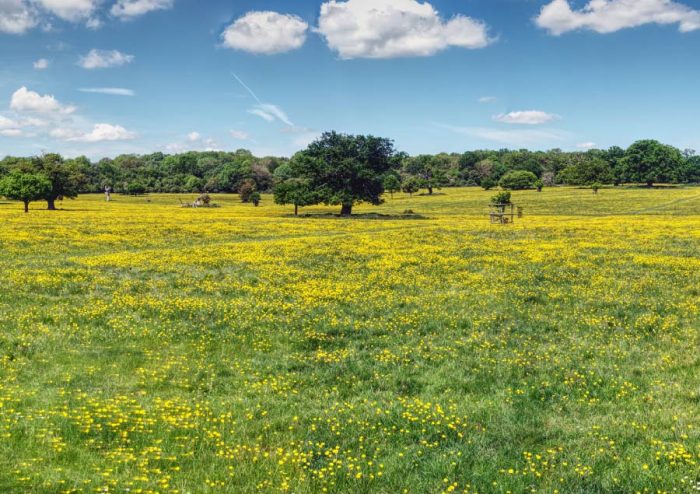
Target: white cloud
(71, 10)
(24, 100)
(11, 133)
(530, 117)
(265, 32)
(239, 135)
(261, 114)
(586, 145)
(41, 64)
(114, 91)
(270, 112)
(487, 99)
(100, 132)
(194, 136)
(515, 138)
(128, 9)
(100, 59)
(16, 16)
(607, 16)
(395, 28)
(93, 23)
(6, 123)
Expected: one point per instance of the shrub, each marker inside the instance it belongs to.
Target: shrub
(518, 180)
(255, 198)
(488, 183)
(135, 189)
(502, 197)
(538, 185)
(411, 185)
(246, 190)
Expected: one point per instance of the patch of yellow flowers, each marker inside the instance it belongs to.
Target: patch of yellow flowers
(147, 348)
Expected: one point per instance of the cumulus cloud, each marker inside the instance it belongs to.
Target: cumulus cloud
(71, 10)
(607, 16)
(100, 59)
(266, 33)
(128, 9)
(41, 64)
(395, 28)
(16, 16)
(194, 136)
(114, 91)
(24, 100)
(99, 133)
(239, 135)
(586, 145)
(530, 117)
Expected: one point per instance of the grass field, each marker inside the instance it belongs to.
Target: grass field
(149, 348)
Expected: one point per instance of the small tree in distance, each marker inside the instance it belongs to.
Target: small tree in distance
(296, 191)
(392, 184)
(25, 187)
(411, 185)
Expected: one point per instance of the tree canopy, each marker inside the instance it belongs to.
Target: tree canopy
(25, 187)
(344, 169)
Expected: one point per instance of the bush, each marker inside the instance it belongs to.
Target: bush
(488, 183)
(538, 185)
(502, 197)
(135, 189)
(246, 190)
(255, 198)
(518, 180)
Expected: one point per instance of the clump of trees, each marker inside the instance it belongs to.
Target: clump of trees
(344, 170)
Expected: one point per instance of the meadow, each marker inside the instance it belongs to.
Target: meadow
(147, 348)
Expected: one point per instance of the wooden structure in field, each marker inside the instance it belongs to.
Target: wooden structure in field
(504, 214)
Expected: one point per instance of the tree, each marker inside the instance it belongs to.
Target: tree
(411, 185)
(539, 184)
(25, 187)
(427, 169)
(392, 184)
(345, 169)
(518, 180)
(294, 191)
(246, 190)
(586, 172)
(135, 188)
(255, 198)
(65, 177)
(651, 162)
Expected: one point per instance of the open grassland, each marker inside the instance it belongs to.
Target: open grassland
(149, 348)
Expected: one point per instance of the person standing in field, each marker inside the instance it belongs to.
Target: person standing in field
(108, 193)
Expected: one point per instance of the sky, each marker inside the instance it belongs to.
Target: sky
(105, 77)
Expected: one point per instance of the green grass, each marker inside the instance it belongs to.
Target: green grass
(150, 348)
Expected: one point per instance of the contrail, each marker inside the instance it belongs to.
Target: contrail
(255, 97)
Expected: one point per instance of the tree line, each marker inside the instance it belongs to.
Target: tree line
(341, 169)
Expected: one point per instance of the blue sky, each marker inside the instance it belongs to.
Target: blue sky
(118, 76)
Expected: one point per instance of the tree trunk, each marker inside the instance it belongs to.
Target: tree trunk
(430, 190)
(346, 210)
(650, 183)
(52, 204)
(296, 210)
(26, 206)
